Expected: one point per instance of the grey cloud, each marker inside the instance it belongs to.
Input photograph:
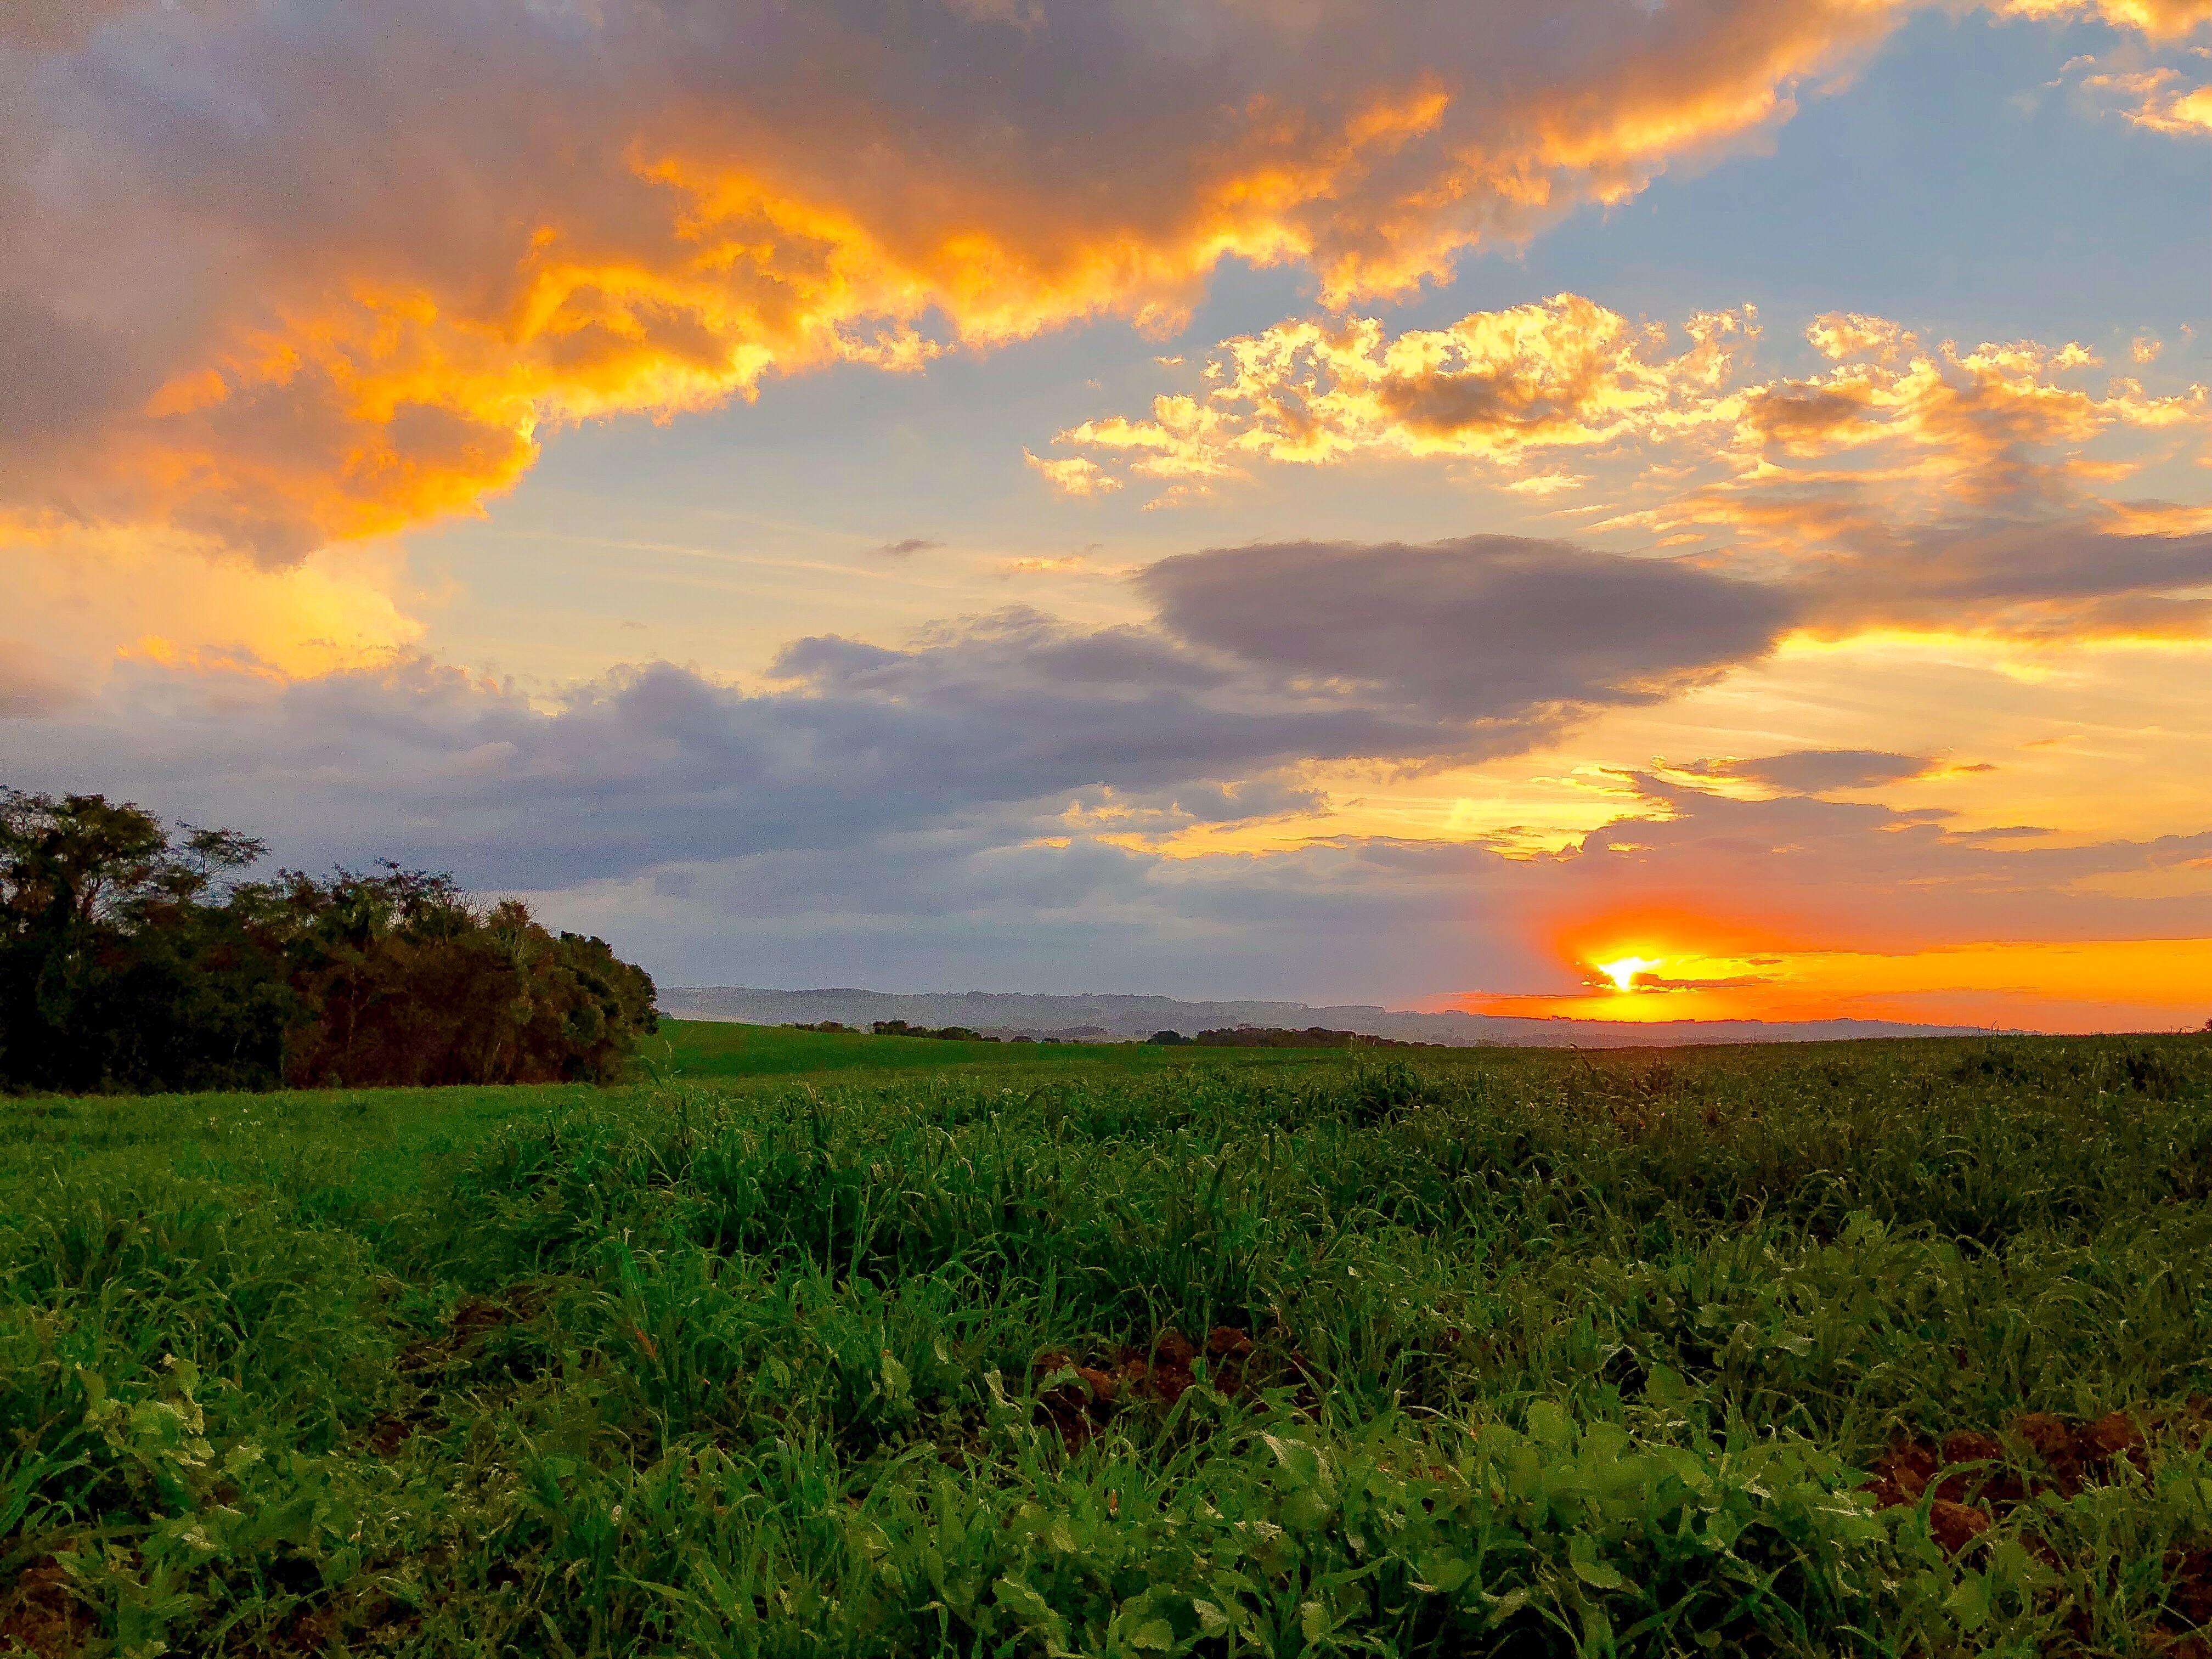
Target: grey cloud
(941, 912)
(658, 765)
(895, 804)
(831, 660)
(911, 545)
(57, 375)
(1016, 645)
(1477, 627)
(1816, 771)
(52, 25)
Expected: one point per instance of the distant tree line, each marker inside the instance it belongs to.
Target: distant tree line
(1273, 1037)
(133, 958)
(942, 1033)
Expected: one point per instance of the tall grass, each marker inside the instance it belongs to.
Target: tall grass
(1514, 1353)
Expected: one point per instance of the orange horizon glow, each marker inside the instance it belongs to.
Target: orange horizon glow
(2079, 986)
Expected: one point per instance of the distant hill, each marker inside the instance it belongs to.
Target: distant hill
(1102, 1017)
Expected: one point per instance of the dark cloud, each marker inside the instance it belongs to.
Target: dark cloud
(1816, 771)
(1474, 628)
(657, 766)
(57, 375)
(907, 548)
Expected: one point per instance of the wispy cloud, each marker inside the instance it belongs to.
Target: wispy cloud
(1817, 771)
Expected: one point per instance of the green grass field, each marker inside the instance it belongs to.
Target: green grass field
(694, 1049)
(813, 1345)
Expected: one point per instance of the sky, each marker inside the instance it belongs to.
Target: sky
(1625, 509)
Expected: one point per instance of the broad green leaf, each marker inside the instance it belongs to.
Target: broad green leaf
(1589, 1567)
(1969, 1601)
(1547, 1423)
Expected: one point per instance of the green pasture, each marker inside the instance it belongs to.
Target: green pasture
(814, 1345)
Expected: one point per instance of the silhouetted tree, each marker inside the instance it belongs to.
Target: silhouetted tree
(130, 957)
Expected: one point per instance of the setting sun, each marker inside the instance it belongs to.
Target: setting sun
(1623, 972)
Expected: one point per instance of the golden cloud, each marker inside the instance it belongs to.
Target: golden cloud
(1897, 431)
(1561, 374)
(1901, 432)
(1074, 474)
(2162, 100)
(2159, 19)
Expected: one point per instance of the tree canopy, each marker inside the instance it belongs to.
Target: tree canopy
(136, 955)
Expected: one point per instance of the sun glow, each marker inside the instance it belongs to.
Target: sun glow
(1623, 973)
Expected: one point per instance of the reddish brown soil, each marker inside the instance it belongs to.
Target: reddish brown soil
(1130, 1378)
(39, 1614)
(472, 1318)
(475, 1318)
(2042, 1453)
(1954, 1526)
(2191, 1576)
(1971, 1477)
(306, 1633)
(387, 1434)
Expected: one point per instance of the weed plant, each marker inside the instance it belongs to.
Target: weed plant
(1503, 1352)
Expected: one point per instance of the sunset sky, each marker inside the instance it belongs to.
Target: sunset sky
(1406, 503)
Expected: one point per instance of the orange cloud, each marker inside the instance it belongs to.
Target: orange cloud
(363, 308)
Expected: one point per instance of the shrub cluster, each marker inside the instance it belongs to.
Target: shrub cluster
(130, 959)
